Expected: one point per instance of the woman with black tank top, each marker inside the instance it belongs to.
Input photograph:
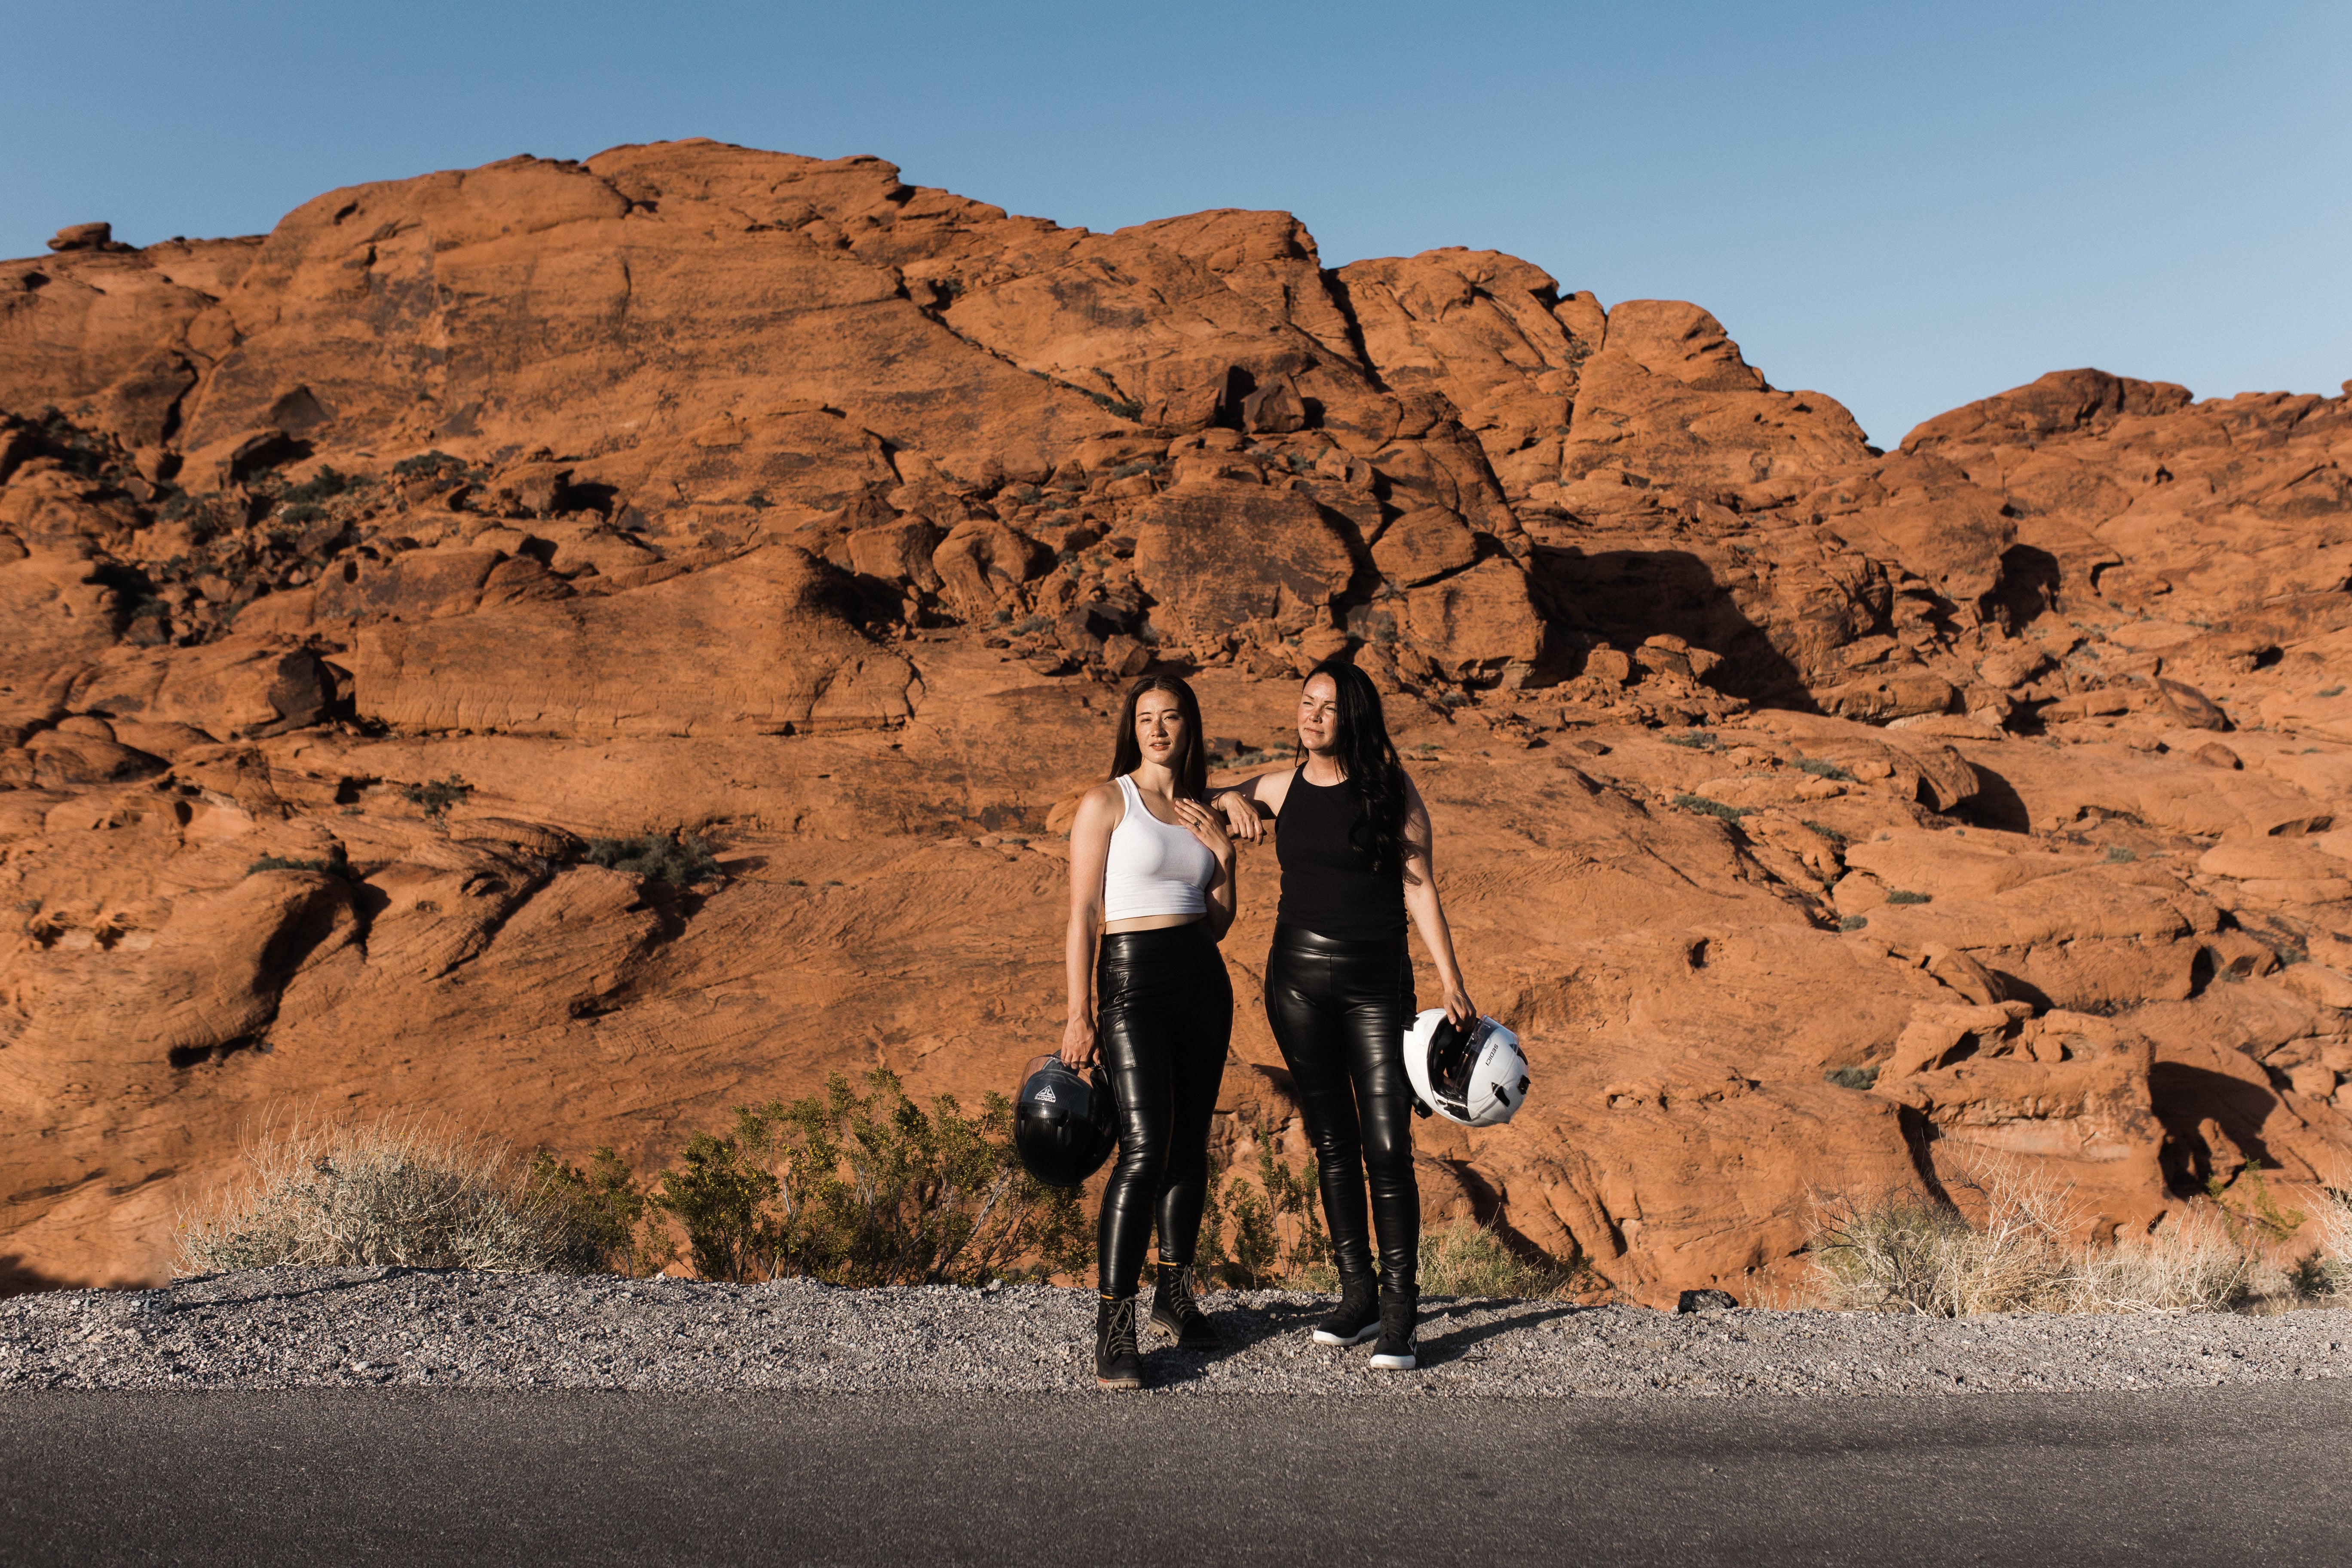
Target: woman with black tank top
(1357, 853)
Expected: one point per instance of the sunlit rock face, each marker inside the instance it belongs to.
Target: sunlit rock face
(1824, 819)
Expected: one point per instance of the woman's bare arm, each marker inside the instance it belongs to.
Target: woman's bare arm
(1250, 803)
(1428, 912)
(1098, 814)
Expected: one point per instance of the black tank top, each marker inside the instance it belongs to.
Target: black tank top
(1328, 886)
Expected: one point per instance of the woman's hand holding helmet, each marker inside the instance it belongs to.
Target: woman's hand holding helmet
(1077, 1052)
(1459, 1007)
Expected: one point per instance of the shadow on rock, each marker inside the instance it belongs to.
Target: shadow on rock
(1627, 596)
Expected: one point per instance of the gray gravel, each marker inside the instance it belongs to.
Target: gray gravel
(286, 1328)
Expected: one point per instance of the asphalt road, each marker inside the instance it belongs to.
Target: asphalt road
(2238, 1476)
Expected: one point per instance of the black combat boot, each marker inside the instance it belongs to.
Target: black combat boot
(1117, 1363)
(1357, 1318)
(1175, 1313)
(1396, 1351)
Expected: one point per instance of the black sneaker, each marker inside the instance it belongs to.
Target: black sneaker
(1117, 1363)
(1356, 1319)
(1175, 1312)
(1395, 1352)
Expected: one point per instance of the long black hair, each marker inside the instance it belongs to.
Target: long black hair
(1190, 763)
(1375, 776)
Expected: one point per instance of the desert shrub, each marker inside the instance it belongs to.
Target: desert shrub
(332, 865)
(401, 1190)
(2117, 854)
(1820, 769)
(1831, 833)
(2196, 1266)
(1905, 896)
(1277, 1223)
(1852, 1077)
(324, 485)
(1470, 1259)
(1700, 804)
(2248, 1209)
(437, 796)
(1903, 1251)
(870, 1189)
(1853, 923)
(2335, 1239)
(435, 466)
(601, 1212)
(1697, 740)
(680, 860)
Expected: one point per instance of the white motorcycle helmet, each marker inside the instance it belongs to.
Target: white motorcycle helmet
(1475, 1076)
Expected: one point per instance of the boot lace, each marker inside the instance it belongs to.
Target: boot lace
(1176, 1287)
(1119, 1327)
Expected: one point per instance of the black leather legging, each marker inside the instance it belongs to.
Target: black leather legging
(1163, 1017)
(1339, 1011)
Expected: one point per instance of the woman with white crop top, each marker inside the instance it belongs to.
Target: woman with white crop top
(1152, 894)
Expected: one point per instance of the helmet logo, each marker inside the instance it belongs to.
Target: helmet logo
(1046, 1095)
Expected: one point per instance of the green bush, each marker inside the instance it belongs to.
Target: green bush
(601, 1214)
(437, 796)
(333, 865)
(680, 860)
(1853, 923)
(1697, 740)
(1852, 1077)
(869, 1189)
(324, 485)
(1905, 896)
(1818, 769)
(1699, 802)
(435, 464)
(1259, 1255)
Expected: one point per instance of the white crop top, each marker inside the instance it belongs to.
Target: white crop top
(1153, 869)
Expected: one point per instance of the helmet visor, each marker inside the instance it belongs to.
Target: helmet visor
(1453, 1054)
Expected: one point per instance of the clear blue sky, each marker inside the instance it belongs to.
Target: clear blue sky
(1906, 205)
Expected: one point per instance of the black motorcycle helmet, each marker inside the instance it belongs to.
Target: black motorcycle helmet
(1064, 1126)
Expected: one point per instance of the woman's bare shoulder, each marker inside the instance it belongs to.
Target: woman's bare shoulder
(1104, 798)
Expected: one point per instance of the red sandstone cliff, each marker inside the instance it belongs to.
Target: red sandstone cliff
(730, 490)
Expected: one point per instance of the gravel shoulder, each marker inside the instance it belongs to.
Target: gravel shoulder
(285, 1327)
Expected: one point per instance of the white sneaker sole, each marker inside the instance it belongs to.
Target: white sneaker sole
(1325, 1337)
(1404, 1362)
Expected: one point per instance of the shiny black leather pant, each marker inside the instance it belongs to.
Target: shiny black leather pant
(1163, 1017)
(1340, 1011)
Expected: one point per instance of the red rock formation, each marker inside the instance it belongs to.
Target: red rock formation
(352, 577)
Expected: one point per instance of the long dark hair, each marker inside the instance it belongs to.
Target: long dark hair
(1375, 776)
(1190, 765)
